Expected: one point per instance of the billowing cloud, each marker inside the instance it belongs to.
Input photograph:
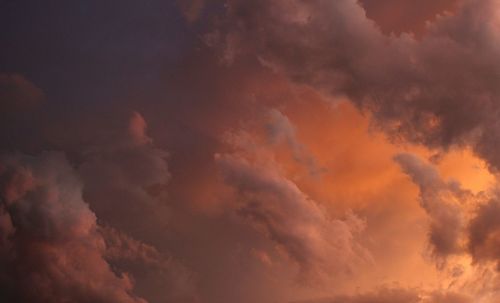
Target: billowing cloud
(159, 277)
(52, 245)
(125, 176)
(51, 248)
(461, 222)
(321, 245)
(463, 233)
(442, 200)
(280, 130)
(438, 91)
(172, 205)
(484, 232)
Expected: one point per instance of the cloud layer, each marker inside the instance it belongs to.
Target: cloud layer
(250, 151)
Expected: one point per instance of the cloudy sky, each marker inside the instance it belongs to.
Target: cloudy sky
(271, 151)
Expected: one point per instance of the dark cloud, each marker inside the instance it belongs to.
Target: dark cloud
(397, 16)
(125, 179)
(484, 232)
(439, 91)
(158, 277)
(52, 245)
(52, 250)
(125, 176)
(165, 226)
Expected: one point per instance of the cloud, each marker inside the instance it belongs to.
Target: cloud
(159, 277)
(51, 248)
(397, 295)
(137, 129)
(18, 94)
(398, 16)
(166, 214)
(322, 246)
(51, 244)
(281, 130)
(438, 91)
(484, 232)
(463, 232)
(125, 176)
(442, 201)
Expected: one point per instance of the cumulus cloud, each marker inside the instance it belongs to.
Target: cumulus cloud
(484, 232)
(158, 276)
(443, 202)
(322, 246)
(125, 180)
(463, 232)
(51, 249)
(280, 130)
(462, 223)
(126, 176)
(439, 91)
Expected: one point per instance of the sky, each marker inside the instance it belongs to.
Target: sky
(271, 151)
